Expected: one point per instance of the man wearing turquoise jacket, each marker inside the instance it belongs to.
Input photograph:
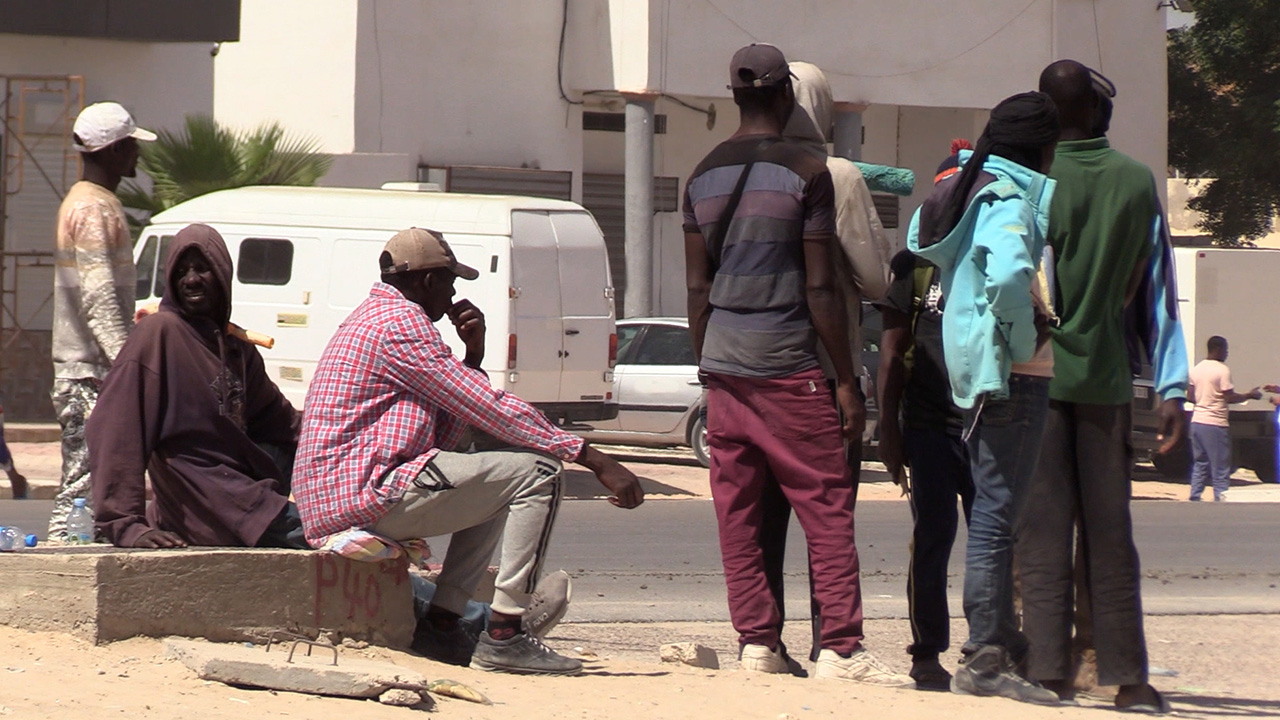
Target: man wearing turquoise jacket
(1107, 230)
(985, 229)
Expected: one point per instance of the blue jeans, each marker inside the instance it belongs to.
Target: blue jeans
(1003, 444)
(1211, 448)
(939, 474)
(475, 619)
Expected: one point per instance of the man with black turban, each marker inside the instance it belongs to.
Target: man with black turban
(985, 229)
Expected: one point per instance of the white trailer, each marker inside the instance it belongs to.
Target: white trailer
(1226, 292)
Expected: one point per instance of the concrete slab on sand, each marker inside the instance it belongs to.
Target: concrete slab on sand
(315, 674)
(225, 595)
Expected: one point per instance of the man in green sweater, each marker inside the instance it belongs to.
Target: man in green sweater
(1106, 230)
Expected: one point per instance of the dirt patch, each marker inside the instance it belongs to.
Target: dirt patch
(1223, 665)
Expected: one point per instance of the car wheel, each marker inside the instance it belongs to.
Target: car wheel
(698, 438)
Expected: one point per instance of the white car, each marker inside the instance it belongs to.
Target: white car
(660, 401)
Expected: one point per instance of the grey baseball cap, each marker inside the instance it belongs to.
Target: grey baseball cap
(758, 65)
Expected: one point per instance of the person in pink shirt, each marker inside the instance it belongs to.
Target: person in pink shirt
(1211, 391)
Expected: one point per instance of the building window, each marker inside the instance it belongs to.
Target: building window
(265, 262)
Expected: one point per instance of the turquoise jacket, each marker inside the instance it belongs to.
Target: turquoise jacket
(987, 261)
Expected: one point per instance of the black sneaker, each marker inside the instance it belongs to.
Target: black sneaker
(989, 673)
(453, 646)
(522, 654)
(930, 675)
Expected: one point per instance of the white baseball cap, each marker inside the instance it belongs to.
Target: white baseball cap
(104, 123)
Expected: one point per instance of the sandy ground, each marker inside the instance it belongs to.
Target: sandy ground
(1224, 666)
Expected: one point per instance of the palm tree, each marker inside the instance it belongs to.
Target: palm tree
(206, 156)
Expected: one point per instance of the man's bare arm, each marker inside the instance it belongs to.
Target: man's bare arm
(698, 277)
(827, 313)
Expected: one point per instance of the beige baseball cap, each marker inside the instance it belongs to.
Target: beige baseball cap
(104, 123)
(419, 249)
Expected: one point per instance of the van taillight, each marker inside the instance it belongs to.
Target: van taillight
(511, 351)
(613, 349)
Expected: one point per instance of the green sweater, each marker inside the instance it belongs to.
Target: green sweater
(1100, 226)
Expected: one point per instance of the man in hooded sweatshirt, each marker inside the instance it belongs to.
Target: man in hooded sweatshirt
(191, 403)
(985, 229)
(860, 258)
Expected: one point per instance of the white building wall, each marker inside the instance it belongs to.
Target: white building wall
(1126, 42)
(465, 83)
(439, 82)
(295, 64)
(159, 83)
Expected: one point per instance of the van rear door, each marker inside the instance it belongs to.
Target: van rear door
(587, 305)
(538, 326)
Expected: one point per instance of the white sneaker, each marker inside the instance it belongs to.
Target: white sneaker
(759, 658)
(861, 667)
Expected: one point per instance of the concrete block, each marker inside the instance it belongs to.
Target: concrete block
(314, 674)
(227, 595)
(689, 653)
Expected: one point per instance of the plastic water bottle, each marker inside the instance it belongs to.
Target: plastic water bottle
(11, 539)
(79, 524)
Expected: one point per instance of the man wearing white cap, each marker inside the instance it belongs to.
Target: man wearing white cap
(93, 287)
(388, 404)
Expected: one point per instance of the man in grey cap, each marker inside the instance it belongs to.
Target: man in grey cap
(93, 288)
(760, 226)
(387, 406)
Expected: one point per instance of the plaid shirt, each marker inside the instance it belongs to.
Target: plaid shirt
(388, 394)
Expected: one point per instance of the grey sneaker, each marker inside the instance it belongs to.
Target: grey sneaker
(989, 673)
(523, 654)
(548, 604)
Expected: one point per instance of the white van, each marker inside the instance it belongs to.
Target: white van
(306, 257)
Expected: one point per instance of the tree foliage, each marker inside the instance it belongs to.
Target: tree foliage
(206, 156)
(1224, 114)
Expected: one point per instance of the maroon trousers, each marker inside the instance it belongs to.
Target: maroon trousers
(784, 428)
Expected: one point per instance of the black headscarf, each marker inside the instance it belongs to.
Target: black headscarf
(1019, 129)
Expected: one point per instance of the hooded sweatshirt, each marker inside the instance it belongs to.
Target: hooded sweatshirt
(861, 259)
(190, 403)
(989, 262)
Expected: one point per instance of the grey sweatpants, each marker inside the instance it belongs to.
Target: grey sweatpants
(475, 497)
(73, 400)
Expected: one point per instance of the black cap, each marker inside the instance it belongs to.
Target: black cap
(758, 65)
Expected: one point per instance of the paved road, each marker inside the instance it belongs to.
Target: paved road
(662, 561)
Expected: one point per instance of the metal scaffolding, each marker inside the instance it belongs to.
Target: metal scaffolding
(37, 165)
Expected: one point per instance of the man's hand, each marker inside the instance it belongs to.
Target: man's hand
(1173, 424)
(1255, 394)
(1271, 388)
(892, 452)
(469, 322)
(620, 481)
(159, 539)
(854, 410)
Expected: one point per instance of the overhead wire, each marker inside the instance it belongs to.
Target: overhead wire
(564, 27)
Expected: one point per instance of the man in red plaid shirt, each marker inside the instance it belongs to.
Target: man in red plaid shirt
(388, 404)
